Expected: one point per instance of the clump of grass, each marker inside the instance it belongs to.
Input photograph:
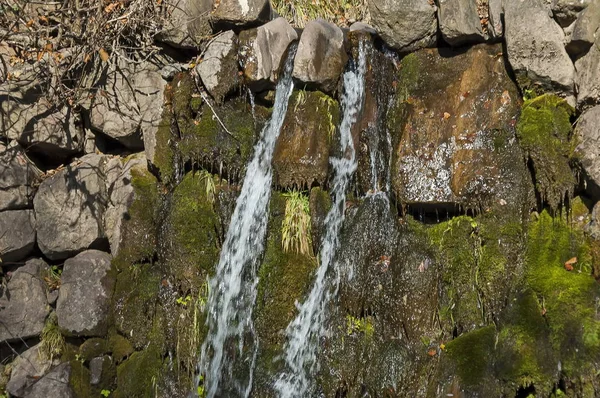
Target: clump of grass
(211, 188)
(340, 12)
(52, 341)
(296, 225)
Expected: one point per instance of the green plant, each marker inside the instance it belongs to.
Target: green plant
(184, 301)
(296, 225)
(105, 393)
(52, 341)
(359, 325)
(341, 12)
(52, 277)
(211, 188)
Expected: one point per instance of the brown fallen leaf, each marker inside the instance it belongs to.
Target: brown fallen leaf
(432, 352)
(446, 116)
(103, 55)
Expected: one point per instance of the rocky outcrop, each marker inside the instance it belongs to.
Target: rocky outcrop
(241, 13)
(301, 156)
(262, 52)
(54, 384)
(127, 104)
(23, 305)
(449, 117)
(320, 58)
(588, 77)
(459, 22)
(187, 24)
(535, 47)
(18, 177)
(406, 25)
(86, 290)
(218, 69)
(495, 24)
(566, 11)
(584, 30)
(17, 234)
(587, 131)
(28, 368)
(70, 206)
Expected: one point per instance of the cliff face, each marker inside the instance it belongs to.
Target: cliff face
(467, 258)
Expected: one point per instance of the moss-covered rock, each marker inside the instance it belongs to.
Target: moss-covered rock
(545, 134)
(92, 348)
(301, 155)
(138, 375)
(119, 347)
(472, 354)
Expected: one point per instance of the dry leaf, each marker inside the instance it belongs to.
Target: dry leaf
(109, 8)
(87, 58)
(446, 116)
(44, 19)
(571, 261)
(103, 55)
(432, 352)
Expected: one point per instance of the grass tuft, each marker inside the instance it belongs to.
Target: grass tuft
(53, 342)
(340, 12)
(296, 225)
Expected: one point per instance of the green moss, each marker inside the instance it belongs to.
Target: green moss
(408, 76)
(138, 375)
(139, 228)
(567, 296)
(164, 155)
(472, 353)
(545, 133)
(356, 325)
(119, 347)
(80, 380)
(92, 348)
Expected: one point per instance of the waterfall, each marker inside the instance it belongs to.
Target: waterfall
(233, 287)
(304, 331)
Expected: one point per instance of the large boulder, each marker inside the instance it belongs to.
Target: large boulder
(18, 176)
(301, 156)
(320, 58)
(54, 384)
(535, 46)
(495, 24)
(459, 22)
(452, 126)
(262, 52)
(406, 25)
(127, 104)
(23, 306)
(85, 294)
(218, 69)
(17, 234)
(28, 368)
(187, 24)
(566, 11)
(588, 135)
(584, 30)
(588, 77)
(241, 13)
(70, 206)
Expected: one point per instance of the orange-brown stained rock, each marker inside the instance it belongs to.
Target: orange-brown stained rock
(453, 123)
(302, 151)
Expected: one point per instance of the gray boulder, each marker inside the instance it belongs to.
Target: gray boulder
(17, 234)
(405, 25)
(187, 23)
(535, 46)
(18, 176)
(588, 77)
(262, 52)
(584, 30)
(85, 293)
(29, 367)
(128, 103)
(54, 384)
(241, 13)
(23, 306)
(495, 25)
(320, 58)
(566, 11)
(588, 135)
(218, 69)
(70, 206)
(593, 227)
(459, 22)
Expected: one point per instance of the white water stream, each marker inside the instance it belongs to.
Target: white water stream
(233, 287)
(305, 330)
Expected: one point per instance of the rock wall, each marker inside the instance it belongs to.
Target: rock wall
(471, 234)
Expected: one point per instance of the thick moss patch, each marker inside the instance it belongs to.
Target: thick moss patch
(545, 133)
(472, 354)
(137, 376)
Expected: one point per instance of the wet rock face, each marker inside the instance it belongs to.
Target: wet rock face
(406, 25)
(128, 103)
(529, 32)
(187, 24)
(69, 206)
(17, 234)
(452, 118)
(85, 294)
(18, 176)
(588, 134)
(262, 52)
(459, 22)
(320, 58)
(24, 305)
(219, 67)
(241, 13)
(301, 155)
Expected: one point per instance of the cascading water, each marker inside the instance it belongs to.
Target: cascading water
(304, 331)
(233, 287)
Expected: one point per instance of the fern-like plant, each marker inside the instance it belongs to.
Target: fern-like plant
(52, 341)
(296, 225)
